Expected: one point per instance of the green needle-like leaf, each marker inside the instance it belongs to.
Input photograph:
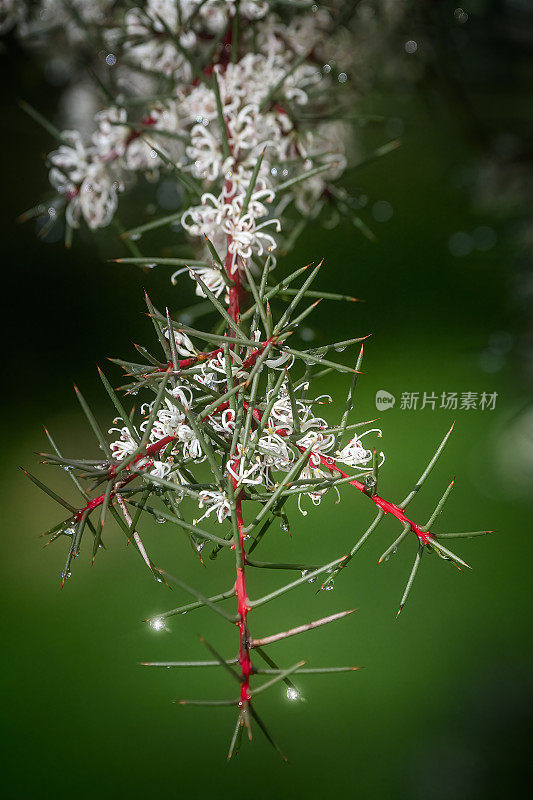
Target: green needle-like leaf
(251, 184)
(222, 661)
(411, 577)
(93, 423)
(160, 222)
(159, 512)
(155, 408)
(394, 546)
(208, 703)
(48, 491)
(41, 120)
(267, 733)
(221, 121)
(236, 738)
(405, 502)
(202, 598)
(304, 579)
(167, 664)
(276, 290)
(439, 507)
(447, 554)
(285, 317)
(310, 358)
(348, 406)
(308, 671)
(164, 262)
(158, 327)
(304, 176)
(217, 598)
(118, 405)
(219, 307)
(463, 535)
(103, 512)
(282, 675)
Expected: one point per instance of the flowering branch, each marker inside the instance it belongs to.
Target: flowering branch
(243, 121)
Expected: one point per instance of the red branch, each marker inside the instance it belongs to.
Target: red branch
(246, 364)
(385, 505)
(240, 582)
(242, 602)
(97, 501)
(190, 362)
(158, 446)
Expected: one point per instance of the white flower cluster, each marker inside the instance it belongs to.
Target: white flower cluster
(88, 189)
(272, 449)
(222, 220)
(157, 33)
(191, 95)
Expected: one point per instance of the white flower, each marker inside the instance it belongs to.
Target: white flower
(281, 361)
(209, 275)
(90, 190)
(160, 469)
(243, 87)
(167, 423)
(215, 367)
(191, 444)
(281, 416)
(184, 346)
(112, 134)
(244, 475)
(245, 236)
(96, 200)
(321, 444)
(226, 423)
(274, 454)
(313, 473)
(125, 445)
(252, 9)
(116, 138)
(148, 42)
(216, 502)
(354, 454)
(205, 152)
(70, 162)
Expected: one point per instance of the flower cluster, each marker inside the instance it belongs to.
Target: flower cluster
(207, 98)
(215, 128)
(273, 451)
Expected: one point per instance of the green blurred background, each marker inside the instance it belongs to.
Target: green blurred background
(442, 708)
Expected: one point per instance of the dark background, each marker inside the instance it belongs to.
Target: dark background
(442, 706)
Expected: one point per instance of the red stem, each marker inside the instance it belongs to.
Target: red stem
(385, 505)
(242, 602)
(97, 501)
(240, 581)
